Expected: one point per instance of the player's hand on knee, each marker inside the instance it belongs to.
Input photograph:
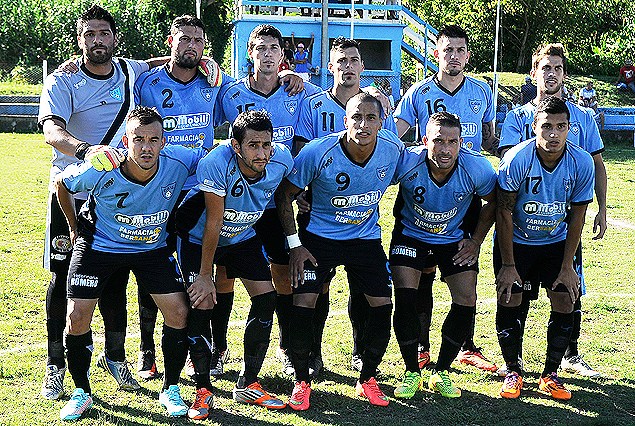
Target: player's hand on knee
(468, 252)
(211, 70)
(296, 84)
(202, 287)
(571, 280)
(297, 257)
(104, 157)
(303, 205)
(505, 280)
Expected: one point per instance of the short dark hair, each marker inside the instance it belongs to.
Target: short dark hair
(264, 30)
(365, 97)
(186, 21)
(258, 121)
(145, 115)
(454, 31)
(445, 119)
(342, 43)
(551, 49)
(95, 12)
(552, 105)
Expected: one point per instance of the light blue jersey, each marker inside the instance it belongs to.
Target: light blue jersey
(283, 109)
(322, 114)
(432, 211)
(245, 201)
(472, 101)
(544, 195)
(130, 217)
(584, 130)
(345, 195)
(188, 109)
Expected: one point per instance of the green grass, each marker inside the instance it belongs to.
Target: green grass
(608, 335)
(13, 88)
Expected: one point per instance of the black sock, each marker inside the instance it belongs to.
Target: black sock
(284, 307)
(174, 344)
(572, 348)
(509, 330)
(358, 313)
(257, 333)
(407, 326)
(147, 320)
(469, 345)
(319, 321)
(424, 308)
(524, 305)
(112, 306)
(558, 334)
(79, 350)
(377, 335)
(455, 329)
(114, 345)
(301, 341)
(220, 319)
(56, 320)
(200, 339)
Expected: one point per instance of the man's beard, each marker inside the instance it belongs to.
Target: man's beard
(100, 59)
(183, 62)
(555, 90)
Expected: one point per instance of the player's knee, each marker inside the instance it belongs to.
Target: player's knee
(175, 315)
(561, 303)
(78, 321)
(429, 270)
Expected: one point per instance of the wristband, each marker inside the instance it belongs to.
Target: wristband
(293, 241)
(509, 265)
(80, 150)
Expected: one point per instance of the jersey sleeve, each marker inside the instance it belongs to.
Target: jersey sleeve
(585, 181)
(406, 108)
(593, 143)
(510, 173)
(211, 173)
(286, 158)
(408, 160)
(490, 113)
(511, 133)
(311, 89)
(79, 177)
(305, 168)
(389, 124)
(305, 127)
(139, 67)
(55, 101)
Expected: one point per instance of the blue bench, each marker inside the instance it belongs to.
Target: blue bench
(618, 118)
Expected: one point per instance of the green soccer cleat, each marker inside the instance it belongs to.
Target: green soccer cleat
(410, 385)
(440, 382)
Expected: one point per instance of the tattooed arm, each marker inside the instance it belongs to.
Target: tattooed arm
(507, 275)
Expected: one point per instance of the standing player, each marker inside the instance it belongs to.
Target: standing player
(321, 115)
(549, 68)
(437, 183)
(539, 180)
(237, 180)
(78, 111)
(263, 91)
(472, 100)
(347, 173)
(122, 226)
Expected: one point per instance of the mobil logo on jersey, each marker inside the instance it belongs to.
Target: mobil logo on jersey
(469, 130)
(186, 121)
(368, 199)
(141, 220)
(283, 133)
(436, 217)
(235, 216)
(545, 209)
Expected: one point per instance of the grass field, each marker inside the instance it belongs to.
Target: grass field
(608, 332)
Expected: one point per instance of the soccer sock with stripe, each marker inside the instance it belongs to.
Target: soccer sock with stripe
(174, 344)
(79, 350)
(220, 319)
(572, 348)
(377, 334)
(257, 333)
(424, 308)
(407, 326)
(319, 321)
(453, 333)
(301, 340)
(200, 338)
(284, 307)
(558, 334)
(509, 328)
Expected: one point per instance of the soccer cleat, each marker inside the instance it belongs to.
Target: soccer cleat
(53, 384)
(577, 365)
(218, 362)
(189, 368)
(80, 401)
(369, 389)
(171, 399)
(316, 365)
(552, 384)
(147, 366)
(410, 385)
(254, 394)
(300, 396)
(118, 370)
(287, 365)
(440, 382)
(477, 359)
(512, 385)
(203, 402)
(423, 358)
(502, 371)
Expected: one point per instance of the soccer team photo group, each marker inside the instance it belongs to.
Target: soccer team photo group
(149, 211)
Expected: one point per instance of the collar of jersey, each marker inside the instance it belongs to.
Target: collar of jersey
(544, 166)
(85, 70)
(438, 83)
(264, 95)
(447, 178)
(362, 165)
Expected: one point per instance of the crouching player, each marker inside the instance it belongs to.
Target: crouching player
(215, 223)
(438, 181)
(538, 181)
(123, 226)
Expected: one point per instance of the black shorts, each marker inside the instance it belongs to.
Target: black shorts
(537, 265)
(269, 230)
(57, 242)
(470, 220)
(92, 271)
(364, 260)
(410, 252)
(245, 259)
